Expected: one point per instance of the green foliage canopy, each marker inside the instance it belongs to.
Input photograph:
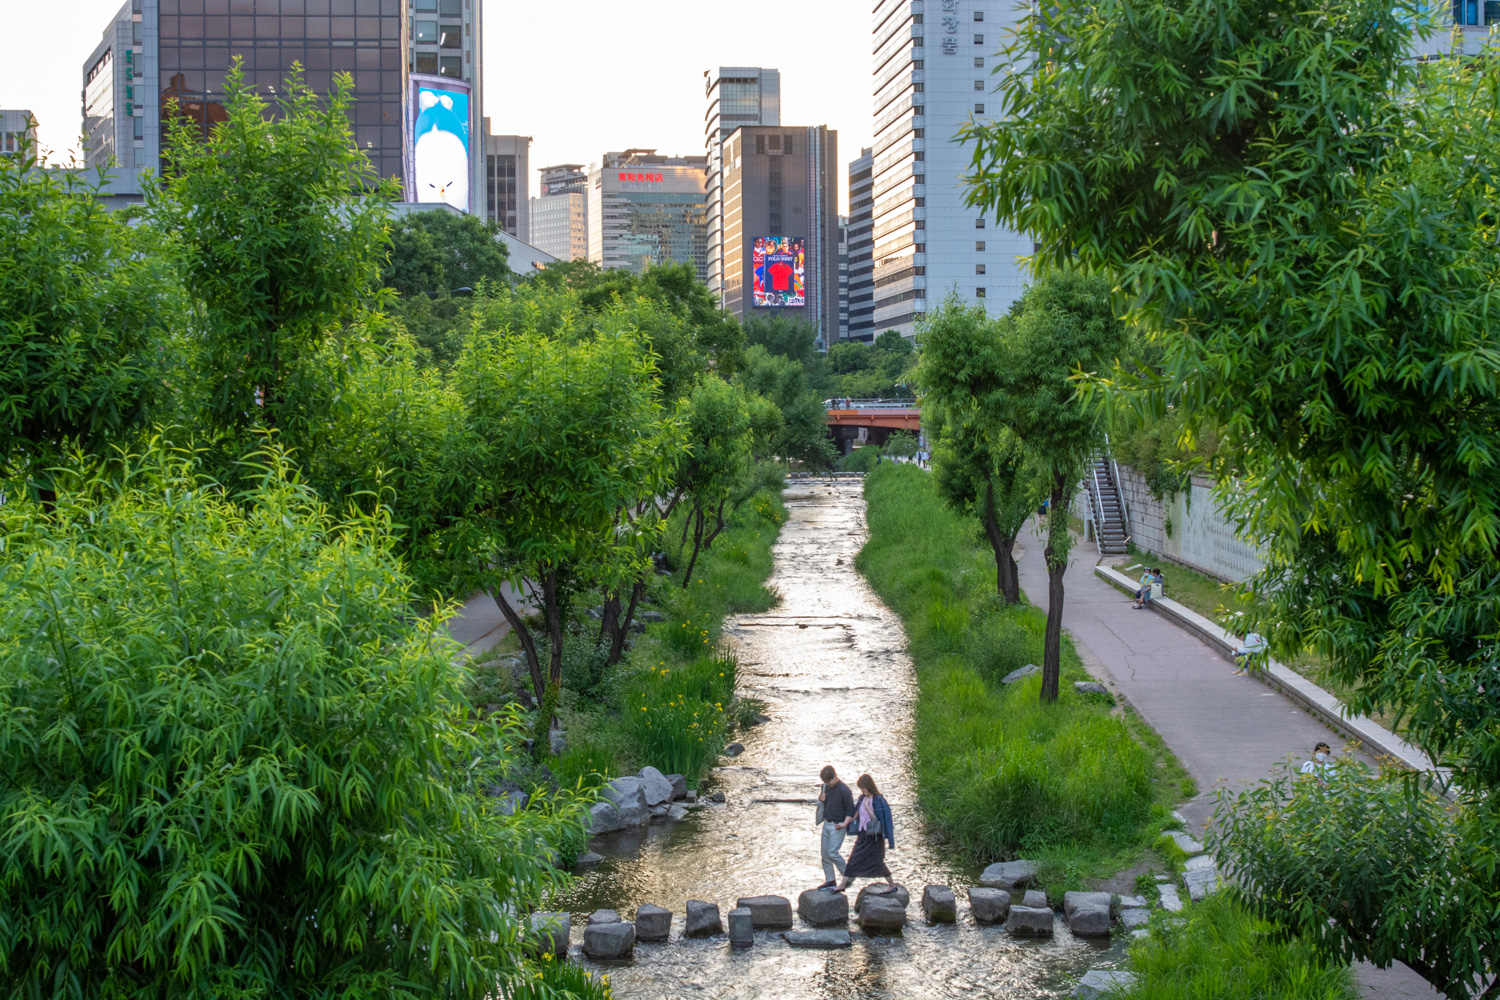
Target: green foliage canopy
(440, 251)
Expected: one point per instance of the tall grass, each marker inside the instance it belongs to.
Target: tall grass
(677, 717)
(1220, 952)
(998, 772)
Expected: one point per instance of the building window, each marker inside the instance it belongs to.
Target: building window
(917, 133)
(452, 66)
(918, 109)
(978, 268)
(978, 84)
(979, 15)
(427, 31)
(138, 123)
(423, 6)
(917, 87)
(454, 8)
(979, 62)
(1036, 248)
(453, 36)
(919, 248)
(978, 39)
(426, 62)
(978, 223)
(916, 19)
(786, 145)
(979, 293)
(916, 64)
(920, 202)
(979, 246)
(979, 109)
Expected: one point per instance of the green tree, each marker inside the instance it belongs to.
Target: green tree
(718, 433)
(979, 464)
(803, 432)
(86, 308)
(283, 223)
(440, 251)
(236, 764)
(1292, 207)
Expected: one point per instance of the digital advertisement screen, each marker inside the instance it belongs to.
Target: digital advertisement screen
(439, 157)
(780, 268)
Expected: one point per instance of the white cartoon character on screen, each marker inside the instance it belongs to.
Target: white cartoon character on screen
(441, 151)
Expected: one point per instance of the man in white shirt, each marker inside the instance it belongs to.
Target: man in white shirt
(1252, 644)
(1321, 766)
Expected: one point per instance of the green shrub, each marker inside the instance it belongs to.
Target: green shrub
(676, 717)
(553, 979)
(1222, 953)
(998, 772)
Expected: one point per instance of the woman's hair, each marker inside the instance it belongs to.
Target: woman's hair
(867, 784)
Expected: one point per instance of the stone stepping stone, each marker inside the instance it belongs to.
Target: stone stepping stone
(869, 892)
(1029, 921)
(551, 932)
(822, 907)
(1186, 843)
(609, 940)
(1101, 984)
(988, 906)
(588, 858)
(1087, 913)
(703, 919)
(741, 927)
(1201, 861)
(882, 915)
(656, 786)
(1134, 917)
(823, 939)
(938, 904)
(1021, 674)
(652, 923)
(1170, 901)
(767, 912)
(1009, 875)
(1201, 883)
(604, 917)
(1126, 902)
(1036, 899)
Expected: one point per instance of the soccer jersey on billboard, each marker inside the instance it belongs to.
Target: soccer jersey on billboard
(780, 271)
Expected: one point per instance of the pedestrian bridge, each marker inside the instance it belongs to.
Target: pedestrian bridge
(871, 420)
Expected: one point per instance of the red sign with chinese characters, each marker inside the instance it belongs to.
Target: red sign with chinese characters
(641, 178)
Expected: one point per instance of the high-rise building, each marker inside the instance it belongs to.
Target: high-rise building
(843, 277)
(861, 241)
(781, 222)
(933, 63)
(17, 131)
(560, 213)
(736, 96)
(164, 58)
(647, 209)
(507, 175)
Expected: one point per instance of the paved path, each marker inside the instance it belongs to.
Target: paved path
(1226, 730)
(479, 624)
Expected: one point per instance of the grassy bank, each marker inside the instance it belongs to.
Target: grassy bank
(670, 701)
(1001, 775)
(1219, 952)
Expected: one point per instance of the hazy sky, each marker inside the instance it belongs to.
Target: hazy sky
(580, 79)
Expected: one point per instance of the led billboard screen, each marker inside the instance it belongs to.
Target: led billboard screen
(440, 141)
(780, 271)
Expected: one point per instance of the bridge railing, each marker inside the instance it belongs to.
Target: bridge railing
(842, 403)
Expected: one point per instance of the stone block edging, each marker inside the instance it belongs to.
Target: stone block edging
(1312, 698)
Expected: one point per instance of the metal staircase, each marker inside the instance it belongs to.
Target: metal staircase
(1107, 503)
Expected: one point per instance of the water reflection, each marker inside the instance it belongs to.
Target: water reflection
(831, 666)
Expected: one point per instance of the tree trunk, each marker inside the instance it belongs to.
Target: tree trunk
(687, 577)
(1056, 554)
(610, 621)
(1007, 576)
(528, 645)
(554, 625)
(708, 542)
(617, 647)
(687, 522)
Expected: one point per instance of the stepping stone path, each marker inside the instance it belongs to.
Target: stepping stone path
(1201, 882)
(1087, 913)
(1186, 843)
(1201, 861)
(822, 907)
(551, 932)
(1009, 875)
(652, 923)
(766, 912)
(603, 917)
(1035, 898)
(938, 904)
(882, 914)
(1170, 901)
(703, 919)
(819, 939)
(1029, 921)
(614, 940)
(900, 895)
(1100, 984)
(741, 927)
(988, 906)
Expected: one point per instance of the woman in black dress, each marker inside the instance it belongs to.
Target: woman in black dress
(872, 823)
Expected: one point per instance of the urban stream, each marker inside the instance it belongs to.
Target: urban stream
(830, 664)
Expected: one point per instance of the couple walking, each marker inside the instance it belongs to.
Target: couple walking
(870, 820)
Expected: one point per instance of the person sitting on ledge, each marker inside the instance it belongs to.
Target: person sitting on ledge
(1143, 593)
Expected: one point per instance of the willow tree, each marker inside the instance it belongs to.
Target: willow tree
(1302, 219)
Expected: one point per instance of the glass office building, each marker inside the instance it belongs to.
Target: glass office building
(646, 209)
(736, 96)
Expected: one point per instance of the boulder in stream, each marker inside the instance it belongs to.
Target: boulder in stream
(988, 906)
(655, 786)
(1009, 875)
(827, 938)
(609, 940)
(702, 919)
(874, 891)
(604, 818)
(627, 795)
(741, 927)
(881, 915)
(767, 912)
(938, 904)
(550, 932)
(604, 917)
(652, 923)
(822, 907)
(1100, 984)
(679, 786)
(1036, 899)
(1029, 921)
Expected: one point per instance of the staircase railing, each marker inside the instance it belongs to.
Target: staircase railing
(1096, 496)
(1119, 487)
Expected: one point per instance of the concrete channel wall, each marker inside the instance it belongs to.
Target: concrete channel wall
(1189, 529)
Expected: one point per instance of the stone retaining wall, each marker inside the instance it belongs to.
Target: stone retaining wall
(1188, 529)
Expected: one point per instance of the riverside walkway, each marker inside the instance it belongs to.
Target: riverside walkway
(1226, 730)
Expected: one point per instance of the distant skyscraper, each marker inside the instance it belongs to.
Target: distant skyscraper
(861, 268)
(736, 96)
(843, 277)
(781, 225)
(647, 209)
(933, 74)
(507, 173)
(560, 214)
(16, 128)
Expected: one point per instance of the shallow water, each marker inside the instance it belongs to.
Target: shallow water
(830, 664)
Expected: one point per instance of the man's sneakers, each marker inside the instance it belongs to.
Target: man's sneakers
(828, 885)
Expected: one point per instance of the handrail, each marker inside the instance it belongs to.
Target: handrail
(1097, 495)
(841, 403)
(1119, 486)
